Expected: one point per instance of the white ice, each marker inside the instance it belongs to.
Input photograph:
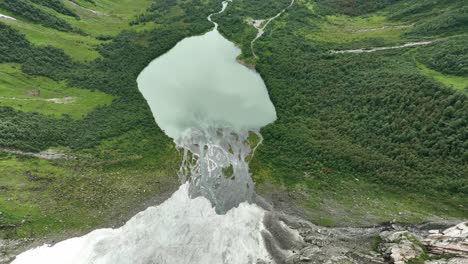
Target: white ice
(179, 231)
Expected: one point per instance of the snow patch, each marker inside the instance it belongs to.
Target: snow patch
(181, 230)
(7, 17)
(410, 44)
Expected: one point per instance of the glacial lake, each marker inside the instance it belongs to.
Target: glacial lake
(199, 84)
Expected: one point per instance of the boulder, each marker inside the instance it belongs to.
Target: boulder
(448, 261)
(451, 241)
(400, 246)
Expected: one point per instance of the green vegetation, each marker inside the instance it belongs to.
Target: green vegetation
(455, 20)
(14, 47)
(107, 17)
(43, 95)
(98, 23)
(41, 197)
(345, 29)
(351, 7)
(47, 61)
(79, 47)
(56, 5)
(361, 137)
(25, 9)
(457, 82)
(432, 17)
(25, 199)
(31, 131)
(123, 158)
(449, 56)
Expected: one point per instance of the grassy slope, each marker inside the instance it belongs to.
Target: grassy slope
(337, 178)
(40, 197)
(122, 171)
(79, 47)
(15, 84)
(123, 159)
(113, 17)
(15, 88)
(457, 82)
(345, 29)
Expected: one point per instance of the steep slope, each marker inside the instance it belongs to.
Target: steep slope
(362, 137)
(119, 158)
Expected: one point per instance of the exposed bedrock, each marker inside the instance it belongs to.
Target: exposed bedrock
(290, 240)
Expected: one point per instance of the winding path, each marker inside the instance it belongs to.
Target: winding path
(381, 28)
(99, 13)
(262, 29)
(64, 100)
(410, 44)
(48, 154)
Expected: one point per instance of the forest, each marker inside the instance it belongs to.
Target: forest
(450, 57)
(25, 9)
(57, 6)
(372, 117)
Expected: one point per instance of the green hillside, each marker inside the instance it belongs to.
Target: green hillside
(361, 138)
(122, 157)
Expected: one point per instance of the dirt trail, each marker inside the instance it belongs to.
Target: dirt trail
(380, 28)
(261, 30)
(88, 9)
(64, 100)
(410, 44)
(48, 154)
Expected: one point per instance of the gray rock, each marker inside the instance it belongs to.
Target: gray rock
(400, 246)
(318, 245)
(452, 241)
(9, 249)
(448, 261)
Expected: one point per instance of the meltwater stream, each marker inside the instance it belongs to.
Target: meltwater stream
(213, 108)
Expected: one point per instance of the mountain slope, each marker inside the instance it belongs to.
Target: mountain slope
(120, 157)
(361, 138)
